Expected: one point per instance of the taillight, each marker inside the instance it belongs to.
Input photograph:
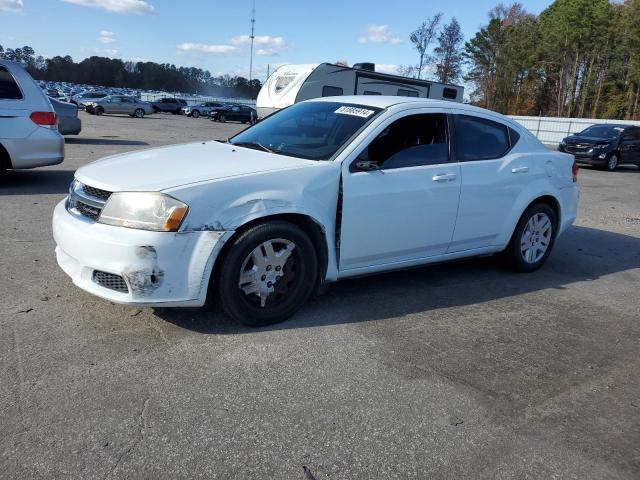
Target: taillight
(44, 119)
(574, 170)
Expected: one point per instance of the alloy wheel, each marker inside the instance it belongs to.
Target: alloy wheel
(536, 238)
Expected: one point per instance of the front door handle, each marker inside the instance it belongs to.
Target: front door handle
(520, 170)
(444, 177)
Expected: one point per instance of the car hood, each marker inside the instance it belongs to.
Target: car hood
(169, 167)
(588, 140)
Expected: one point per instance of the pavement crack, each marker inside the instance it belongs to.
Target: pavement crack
(142, 426)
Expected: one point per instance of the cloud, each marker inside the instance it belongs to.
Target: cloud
(107, 52)
(261, 41)
(379, 34)
(11, 5)
(106, 37)
(267, 52)
(139, 7)
(205, 48)
(387, 68)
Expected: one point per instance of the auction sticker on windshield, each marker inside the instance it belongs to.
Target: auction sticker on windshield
(358, 112)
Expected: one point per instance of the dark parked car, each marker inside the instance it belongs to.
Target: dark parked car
(238, 113)
(171, 105)
(605, 145)
(68, 121)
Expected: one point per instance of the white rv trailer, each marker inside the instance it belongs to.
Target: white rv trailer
(291, 84)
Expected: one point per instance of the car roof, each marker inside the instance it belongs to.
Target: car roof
(386, 101)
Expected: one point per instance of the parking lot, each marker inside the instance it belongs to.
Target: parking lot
(457, 370)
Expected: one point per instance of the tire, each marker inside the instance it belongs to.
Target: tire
(288, 292)
(99, 111)
(535, 236)
(195, 114)
(612, 163)
(4, 166)
(138, 113)
(222, 118)
(155, 109)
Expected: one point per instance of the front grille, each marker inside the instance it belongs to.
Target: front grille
(96, 192)
(110, 281)
(87, 201)
(578, 148)
(88, 211)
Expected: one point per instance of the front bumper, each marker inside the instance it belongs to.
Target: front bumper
(160, 269)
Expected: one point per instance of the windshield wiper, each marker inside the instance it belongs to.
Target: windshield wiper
(253, 145)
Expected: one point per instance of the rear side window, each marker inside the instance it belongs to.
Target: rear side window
(480, 139)
(9, 89)
(328, 91)
(371, 92)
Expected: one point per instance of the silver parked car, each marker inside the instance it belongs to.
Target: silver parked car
(205, 109)
(81, 99)
(29, 136)
(68, 121)
(120, 104)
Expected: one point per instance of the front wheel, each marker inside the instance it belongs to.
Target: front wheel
(139, 113)
(195, 114)
(612, 163)
(99, 111)
(269, 272)
(533, 238)
(222, 118)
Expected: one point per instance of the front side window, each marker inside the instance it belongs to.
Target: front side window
(602, 131)
(328, 91)
(309, 130)
(480, 139)
(412, 141)
(9, 89)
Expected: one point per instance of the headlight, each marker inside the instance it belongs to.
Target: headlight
(145, 211)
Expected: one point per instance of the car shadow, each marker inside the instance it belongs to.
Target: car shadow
(102, 141)
(32, 182)
(581, 255)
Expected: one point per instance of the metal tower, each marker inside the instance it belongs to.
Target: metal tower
(253, 24)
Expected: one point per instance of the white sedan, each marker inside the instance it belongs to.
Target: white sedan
(326, 189)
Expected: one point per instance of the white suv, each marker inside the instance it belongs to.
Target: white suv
(29, 136)
(323, 190)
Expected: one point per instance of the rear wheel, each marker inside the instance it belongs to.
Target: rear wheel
(612, 163)
(268, 274)
(139, 113)
(4, 165)
(533, 238)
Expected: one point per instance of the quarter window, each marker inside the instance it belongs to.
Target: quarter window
(9, 89)
(412, 141)
(480, 139)
(370, 92)
(328, 91)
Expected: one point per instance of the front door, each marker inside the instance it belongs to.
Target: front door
(400, 195)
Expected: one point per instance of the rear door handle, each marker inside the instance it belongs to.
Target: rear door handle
(444, 177)
(520, 170)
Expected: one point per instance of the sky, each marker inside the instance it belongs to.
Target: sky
(214, 34)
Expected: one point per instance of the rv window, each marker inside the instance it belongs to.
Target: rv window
(369, 92)
(407, 93)
(283, 82)
(412, 141)
(331, 91)
(450, 93)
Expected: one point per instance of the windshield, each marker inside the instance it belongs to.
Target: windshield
(602, 131)
(310, 130)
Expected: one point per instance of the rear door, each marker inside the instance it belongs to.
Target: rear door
(492, 179)
(630, 146)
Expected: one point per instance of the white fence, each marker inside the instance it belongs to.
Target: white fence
(552, 130)
(195, 99)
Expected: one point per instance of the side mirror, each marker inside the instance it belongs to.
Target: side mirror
(367, 165)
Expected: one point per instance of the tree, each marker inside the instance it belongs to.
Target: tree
(448, 53)
(423, 37)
